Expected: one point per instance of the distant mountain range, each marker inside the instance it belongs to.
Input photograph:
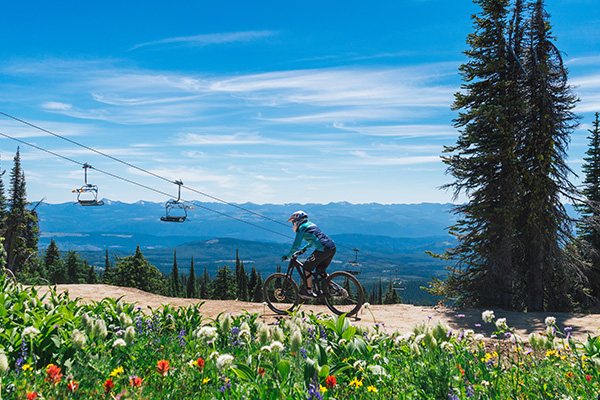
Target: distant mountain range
(391, 238)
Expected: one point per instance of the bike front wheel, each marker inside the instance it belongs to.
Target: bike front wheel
(346, 294)
(281, 293)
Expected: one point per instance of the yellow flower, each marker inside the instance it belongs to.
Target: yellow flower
(117, 371)
(372, 389)
(205, 380)
(356, 383)
(27, 367)
(322, 388)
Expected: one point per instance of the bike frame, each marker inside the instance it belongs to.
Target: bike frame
(296, 264)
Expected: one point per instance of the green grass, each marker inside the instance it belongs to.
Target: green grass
(54, 347)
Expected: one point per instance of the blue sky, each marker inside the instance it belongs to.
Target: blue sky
(264, 102)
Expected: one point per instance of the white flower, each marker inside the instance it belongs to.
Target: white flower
(359, 364)
(447, 347)
(119, 343)
(78, 339)
(488, 316)
(478, 338)
(266, 349)
(276, 346)
(377, 356)
(501, 324)
(485, 383)
(129, 334)
(550, 321)
(296, 341)
(366, 306)
(224, 361)
(3, 362)
(30, 332)
(207, 333)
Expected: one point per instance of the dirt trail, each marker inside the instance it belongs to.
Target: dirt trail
(397, 317)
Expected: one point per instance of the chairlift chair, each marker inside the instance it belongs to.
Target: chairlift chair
(87, 195)
(353, 267)
(175, 210)
(397, 284)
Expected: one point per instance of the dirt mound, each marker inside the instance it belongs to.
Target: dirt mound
(396, 317)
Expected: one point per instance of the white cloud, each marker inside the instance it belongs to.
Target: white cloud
(208, 39)
(54, 105)
(403, 131)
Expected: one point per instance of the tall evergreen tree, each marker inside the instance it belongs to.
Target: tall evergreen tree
(3, 204)
(589, 227)
(252, 283)
(175, 278)
(136, 272)
(484, 166)
(225, 287)
(242, 284)
(53, 264)
(192, 291)
(257, 295)
(108, 270)
(544, 223)
(204, 290)
(21, 228)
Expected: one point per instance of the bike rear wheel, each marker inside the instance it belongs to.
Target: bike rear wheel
(281, 293)
(346, 293)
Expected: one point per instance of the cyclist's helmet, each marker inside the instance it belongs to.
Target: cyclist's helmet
(298, 217)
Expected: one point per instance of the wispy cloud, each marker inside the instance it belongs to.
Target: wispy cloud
(208, 39)
(403, 131)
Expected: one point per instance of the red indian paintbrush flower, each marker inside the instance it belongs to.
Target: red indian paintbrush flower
(72, 386)
(330, 382)
(135, 381)
(200, 363)
(53, 373)
(108, 385)
(163, 367)
(31, 395)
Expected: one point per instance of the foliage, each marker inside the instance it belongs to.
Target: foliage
(52, 347)
(510, 160)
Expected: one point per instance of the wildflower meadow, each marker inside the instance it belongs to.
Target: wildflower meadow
(53, 347)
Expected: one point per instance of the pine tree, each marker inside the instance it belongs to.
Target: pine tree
(3, 204)
(204, 291)
(544, 223)
(21, 228)
(175, 278)
(391, 296)
(136, 272)
(257, 296)
(242, 284)
(252, 283)
(192, 292)
(484, 166)
(589, 227)
(225, 287)
(53, 264)
(108, 270)
(73, 267)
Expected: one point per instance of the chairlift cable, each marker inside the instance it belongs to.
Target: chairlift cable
(138, 168)
(143, 186)
(167, 180)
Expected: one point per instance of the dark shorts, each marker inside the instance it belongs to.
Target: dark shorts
(319, 260)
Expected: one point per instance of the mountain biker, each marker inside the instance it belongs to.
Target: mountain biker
(320, 258)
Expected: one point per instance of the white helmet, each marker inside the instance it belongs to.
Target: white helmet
(298, 216)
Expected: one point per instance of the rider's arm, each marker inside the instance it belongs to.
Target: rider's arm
(296, 244)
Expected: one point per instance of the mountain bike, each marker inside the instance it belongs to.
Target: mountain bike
(340, 291)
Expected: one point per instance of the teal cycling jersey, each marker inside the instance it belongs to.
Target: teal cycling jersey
(313, 236)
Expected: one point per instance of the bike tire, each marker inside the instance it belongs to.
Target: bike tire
(281, 293)
(347, 300)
